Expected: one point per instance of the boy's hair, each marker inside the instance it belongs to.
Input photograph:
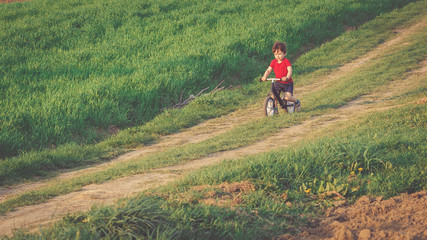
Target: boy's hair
(279, 46)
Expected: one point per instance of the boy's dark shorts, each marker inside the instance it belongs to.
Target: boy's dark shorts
(284, 87)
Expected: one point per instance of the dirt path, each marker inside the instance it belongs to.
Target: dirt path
(106, 193)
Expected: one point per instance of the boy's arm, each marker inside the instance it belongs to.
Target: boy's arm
(267, 72)
(288, 76)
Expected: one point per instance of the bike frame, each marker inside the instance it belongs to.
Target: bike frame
(274, 97)
(272, 81)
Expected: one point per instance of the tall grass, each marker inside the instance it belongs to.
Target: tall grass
(133, 219)
(70, 69)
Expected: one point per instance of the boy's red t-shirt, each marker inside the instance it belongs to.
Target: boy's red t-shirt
(281, 69)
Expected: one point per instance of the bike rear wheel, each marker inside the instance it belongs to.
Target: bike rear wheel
(269, 106)
(290, 106)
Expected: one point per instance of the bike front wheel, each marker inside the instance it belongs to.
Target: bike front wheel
(269, 106)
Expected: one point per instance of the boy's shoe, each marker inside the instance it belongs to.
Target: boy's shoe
(298, 106)
(276, 111)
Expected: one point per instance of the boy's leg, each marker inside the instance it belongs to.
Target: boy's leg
(289, 91)
(290, 97)
(298, 106)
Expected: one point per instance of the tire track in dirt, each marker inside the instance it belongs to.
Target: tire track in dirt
(109, 192)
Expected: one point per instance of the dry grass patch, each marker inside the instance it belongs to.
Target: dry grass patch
(222, 195)
(226, 194)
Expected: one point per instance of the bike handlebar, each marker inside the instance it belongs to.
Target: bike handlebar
(271, 79)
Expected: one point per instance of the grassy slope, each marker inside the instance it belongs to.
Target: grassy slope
(390, 152)
(70, 69)
(41, 163)
(234, 138)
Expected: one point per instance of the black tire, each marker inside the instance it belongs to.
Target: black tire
(269, 106)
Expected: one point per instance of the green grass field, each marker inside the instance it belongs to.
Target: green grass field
(115, 60)
(70, 69)
(52, 95)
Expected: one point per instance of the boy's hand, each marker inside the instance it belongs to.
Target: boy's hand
(263, 79)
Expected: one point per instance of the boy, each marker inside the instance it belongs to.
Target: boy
(282, 69)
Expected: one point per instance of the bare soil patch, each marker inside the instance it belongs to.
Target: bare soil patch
(223, 195)
(399, 218)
